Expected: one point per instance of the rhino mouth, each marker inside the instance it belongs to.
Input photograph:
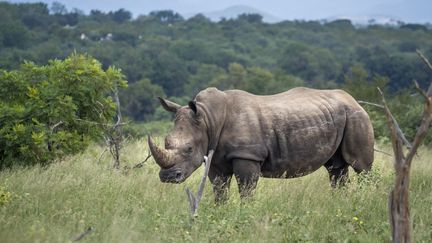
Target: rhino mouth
(172, 175)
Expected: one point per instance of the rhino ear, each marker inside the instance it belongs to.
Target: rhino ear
(192, 105)
(169, 105)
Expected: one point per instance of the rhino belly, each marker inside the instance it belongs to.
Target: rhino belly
(300, 151)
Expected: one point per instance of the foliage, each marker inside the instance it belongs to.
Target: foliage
(163, 53)
(5, 196)
(47, 112)
(131, 206)
(407, 106)
(139, 101)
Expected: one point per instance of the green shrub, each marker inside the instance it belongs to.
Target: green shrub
(5, 196)
(47, 112)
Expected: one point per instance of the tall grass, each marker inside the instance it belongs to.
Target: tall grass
(57, 203)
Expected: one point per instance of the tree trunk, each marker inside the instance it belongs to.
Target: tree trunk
(117, 133)
(399, 207)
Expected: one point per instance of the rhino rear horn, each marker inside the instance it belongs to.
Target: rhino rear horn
(162, 156)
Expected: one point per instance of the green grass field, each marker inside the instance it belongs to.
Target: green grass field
(57, 203)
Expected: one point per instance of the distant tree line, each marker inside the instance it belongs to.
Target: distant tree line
(164, 54)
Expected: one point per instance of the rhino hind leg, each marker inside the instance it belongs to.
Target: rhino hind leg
(337, 168)
(357, 145)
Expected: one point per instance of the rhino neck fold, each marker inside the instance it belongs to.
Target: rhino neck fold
(213, 103)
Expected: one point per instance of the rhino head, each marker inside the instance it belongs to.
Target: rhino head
(185, 146)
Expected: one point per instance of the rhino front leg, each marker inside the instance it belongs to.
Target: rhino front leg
(221, 182)
(247, 173)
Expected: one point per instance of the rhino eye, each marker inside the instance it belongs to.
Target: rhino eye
(189, 150)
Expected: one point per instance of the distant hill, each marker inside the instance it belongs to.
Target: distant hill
(411, 11)
(233, 11)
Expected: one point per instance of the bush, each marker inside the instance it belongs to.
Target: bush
(47, 112)
(5, 196)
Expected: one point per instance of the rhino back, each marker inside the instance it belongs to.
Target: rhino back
(291, 133)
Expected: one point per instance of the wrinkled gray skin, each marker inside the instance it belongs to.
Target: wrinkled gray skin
(285, 135)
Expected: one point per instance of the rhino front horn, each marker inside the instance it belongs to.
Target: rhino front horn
(162, 156)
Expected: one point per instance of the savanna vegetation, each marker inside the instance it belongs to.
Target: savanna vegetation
(57, 203)
(164, 54)
(60, 67)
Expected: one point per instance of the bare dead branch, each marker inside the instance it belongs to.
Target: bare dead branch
(419, 90)
(394, 128)
(399, 195)
(194, 201)
(420, 135)
(424, 59)
(100, 156)
(428, 64)
(83, 234)
(141, 164)
(383, 152)
(370, 103)
(99, 124)
(55, 126)
(207, 161)
(117, 136)
(424, 125)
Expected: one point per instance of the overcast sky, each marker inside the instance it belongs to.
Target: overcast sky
(406, 10)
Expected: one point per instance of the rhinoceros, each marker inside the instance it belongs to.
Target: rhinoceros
(285, 135)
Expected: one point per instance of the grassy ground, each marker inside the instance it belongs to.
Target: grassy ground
(57, 203)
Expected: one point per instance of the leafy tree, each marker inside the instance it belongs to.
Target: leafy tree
(414, 27)
(201, 79)
(169, 72)
(47, 112)
(344, 24)
(258, 81)
(139, 100)
(360, 84)
(70, 19)
(312, 64)
(166, 16)
(283, 82)
(121, 15)
(125, 36)
(234, 78)
(13, 34)
(251, 18)
(363, 87)
(58, 8)
(98, 15)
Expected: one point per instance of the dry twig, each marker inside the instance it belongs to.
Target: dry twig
(383, 152)
(194, 201)
(101, 155)
(398, 129)
(83, 234)
(117, 134)
(141, 164)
